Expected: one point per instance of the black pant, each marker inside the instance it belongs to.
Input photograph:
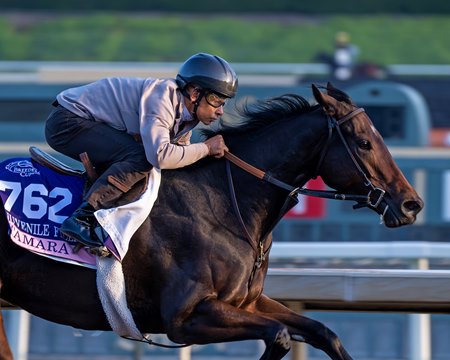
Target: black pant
(115, 154)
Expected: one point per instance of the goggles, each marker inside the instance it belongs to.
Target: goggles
(215, 100)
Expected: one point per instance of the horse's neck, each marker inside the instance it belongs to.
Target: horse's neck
(287, 149)
(289, 153)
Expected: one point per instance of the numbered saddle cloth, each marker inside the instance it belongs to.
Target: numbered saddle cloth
(36, 201)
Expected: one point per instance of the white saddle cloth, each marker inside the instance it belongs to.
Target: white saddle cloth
(122, 222)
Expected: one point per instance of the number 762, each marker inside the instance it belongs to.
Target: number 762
(34, 205)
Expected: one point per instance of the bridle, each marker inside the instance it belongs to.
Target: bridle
(373, 199)
(375, 195)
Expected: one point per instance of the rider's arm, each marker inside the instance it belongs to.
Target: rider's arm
(158, 110)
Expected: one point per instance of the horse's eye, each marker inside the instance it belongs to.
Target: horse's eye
(364, 144)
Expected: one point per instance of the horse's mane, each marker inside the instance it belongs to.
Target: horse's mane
(264, 112)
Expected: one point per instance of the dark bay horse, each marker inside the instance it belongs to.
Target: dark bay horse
(190, 271)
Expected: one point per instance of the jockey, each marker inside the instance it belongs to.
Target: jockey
(129, 125)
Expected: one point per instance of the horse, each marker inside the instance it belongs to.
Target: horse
(195, 269)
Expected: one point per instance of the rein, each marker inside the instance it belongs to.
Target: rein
(372, 199)
(327, 194)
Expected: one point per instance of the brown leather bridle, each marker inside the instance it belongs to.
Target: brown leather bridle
(373, 198)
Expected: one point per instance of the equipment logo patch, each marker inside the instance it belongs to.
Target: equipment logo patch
(22, 167)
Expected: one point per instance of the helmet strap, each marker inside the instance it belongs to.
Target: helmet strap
(201, 94)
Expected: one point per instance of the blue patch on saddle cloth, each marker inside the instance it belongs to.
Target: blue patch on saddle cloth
(36, 201)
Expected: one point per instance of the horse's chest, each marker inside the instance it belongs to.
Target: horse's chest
(241, 287)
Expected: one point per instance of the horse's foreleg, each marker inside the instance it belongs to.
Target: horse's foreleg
(214, 321)
(313, 332)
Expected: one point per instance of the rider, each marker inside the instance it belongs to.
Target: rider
(345, 56)
(127, 125)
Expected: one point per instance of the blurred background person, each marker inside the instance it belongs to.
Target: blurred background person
(344, 57)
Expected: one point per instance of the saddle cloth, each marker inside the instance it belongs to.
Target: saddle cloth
(122, 222)
(38, 199)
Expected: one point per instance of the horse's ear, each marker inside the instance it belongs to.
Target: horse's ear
(316, 92)
(330, 87)
(327, 102)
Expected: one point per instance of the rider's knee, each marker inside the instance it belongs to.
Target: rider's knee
(138, 161)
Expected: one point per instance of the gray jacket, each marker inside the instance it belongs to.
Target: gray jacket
(150, 108)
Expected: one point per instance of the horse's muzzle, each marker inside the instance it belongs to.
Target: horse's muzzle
(406, 214)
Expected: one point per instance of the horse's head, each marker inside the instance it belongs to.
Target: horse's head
(357, 161)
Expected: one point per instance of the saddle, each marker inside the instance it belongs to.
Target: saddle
(45, 159)
(89, 173)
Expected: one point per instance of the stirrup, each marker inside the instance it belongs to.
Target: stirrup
(100, 251)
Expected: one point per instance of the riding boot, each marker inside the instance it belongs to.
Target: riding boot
(82, 225)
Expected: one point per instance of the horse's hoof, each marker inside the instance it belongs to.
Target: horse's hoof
(283, 339)
(280, 346)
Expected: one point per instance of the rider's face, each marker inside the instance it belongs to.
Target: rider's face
(207, 113)
(210, 108)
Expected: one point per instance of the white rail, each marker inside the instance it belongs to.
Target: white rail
(412, 290)
(352, 250)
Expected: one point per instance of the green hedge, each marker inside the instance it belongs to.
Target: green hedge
(115, 37)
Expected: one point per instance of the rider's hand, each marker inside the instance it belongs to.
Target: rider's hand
(216, 146)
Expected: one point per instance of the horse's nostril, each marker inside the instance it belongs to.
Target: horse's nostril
(413, 206)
